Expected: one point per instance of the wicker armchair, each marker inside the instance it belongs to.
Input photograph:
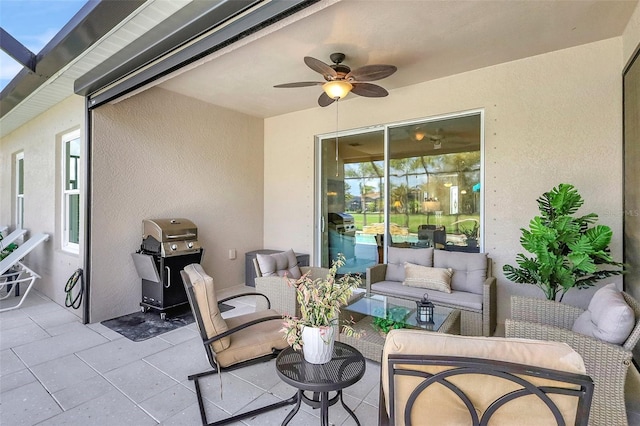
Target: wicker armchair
(282, 295)
(606, 363)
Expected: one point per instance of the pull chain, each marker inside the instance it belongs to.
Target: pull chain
(337, 164)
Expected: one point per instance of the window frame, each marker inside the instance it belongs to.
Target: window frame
(19, 200)
(65, 209)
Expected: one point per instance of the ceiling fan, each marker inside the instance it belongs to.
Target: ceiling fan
(436, 137)
(340, 80)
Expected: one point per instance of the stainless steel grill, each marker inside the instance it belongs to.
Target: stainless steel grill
(168, 245)
(342, 235)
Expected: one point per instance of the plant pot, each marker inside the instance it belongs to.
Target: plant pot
(472, 242)
(317, 344)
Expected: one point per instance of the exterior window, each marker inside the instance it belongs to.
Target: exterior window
(20, 190)
(71, 191)
(413, 184)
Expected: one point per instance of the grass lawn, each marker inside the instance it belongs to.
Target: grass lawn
(415, 220)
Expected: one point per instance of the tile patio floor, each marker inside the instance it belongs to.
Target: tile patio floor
(56, 371)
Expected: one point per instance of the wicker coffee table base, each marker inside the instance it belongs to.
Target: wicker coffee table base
(370, 342)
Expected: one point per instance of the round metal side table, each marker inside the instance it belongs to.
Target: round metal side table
(346, 367)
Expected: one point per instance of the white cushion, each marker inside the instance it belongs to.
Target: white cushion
(438, 279)
(397, 256)
(279, 264)
(607, 318)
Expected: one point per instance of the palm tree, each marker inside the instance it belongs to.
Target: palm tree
(362, 171)
(404, 167)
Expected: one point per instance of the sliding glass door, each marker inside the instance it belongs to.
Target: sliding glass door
(413, 184)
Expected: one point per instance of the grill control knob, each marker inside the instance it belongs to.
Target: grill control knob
(190, 245)
(174, 247)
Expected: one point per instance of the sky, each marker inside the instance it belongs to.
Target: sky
(33, 23)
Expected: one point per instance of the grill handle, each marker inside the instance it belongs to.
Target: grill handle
(181, 236)
(168, 277)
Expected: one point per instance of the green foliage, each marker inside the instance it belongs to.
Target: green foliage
(471, 232)
(6, 251)
(394, 319)
(320, 301)
(566, 251)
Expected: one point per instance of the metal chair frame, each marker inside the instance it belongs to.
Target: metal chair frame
(516, 373)
(212, 356)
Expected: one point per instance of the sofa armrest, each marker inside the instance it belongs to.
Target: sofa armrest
(281, 294)
(543, 311)
(489, 306)
(375, 273)
(595, 352)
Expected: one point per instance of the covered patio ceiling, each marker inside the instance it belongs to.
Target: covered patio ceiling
(425, 39)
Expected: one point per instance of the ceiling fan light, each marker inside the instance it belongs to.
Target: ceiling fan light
(337, 89)
(419, 136)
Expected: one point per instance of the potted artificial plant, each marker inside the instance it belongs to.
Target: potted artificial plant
(320, 301)
(471, 234)
(567, 251)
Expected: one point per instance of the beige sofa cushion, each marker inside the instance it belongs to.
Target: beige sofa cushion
(396, 257)
(438, 279)
(442, 407)
(205, 295)
(469, 269)
(279, 264)
(607, 318)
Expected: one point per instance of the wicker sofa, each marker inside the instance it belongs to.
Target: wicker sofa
(606, 363)
(473, 289)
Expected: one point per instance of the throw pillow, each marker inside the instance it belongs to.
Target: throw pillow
(607, 318)
(438, 279)
(396, 257)
(279, 264)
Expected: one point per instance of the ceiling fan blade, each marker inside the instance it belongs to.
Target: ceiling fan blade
(369, 90)
(319, 66)
(371, 73)
(300, 84)
(324, 100)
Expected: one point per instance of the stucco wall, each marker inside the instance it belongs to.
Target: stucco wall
(40, 141)
(631, 35)
(549, 119)
(162, 155)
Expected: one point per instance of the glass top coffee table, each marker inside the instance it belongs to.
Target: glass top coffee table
(363, 309)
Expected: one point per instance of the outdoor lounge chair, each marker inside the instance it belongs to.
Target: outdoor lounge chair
(274, 286)
(13, 272)
(12, 237)
(232, 343)
(437, 379)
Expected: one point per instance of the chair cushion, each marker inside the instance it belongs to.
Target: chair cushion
(469, 269)
(205, 295)
(279, 264)
(607, 318)
(254, 341)
(438, 279)
(397, 256)
(481, 389)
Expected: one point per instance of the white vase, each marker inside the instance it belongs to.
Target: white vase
(317, 344)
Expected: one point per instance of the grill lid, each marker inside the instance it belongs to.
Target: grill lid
(168, 230)
(169, 237)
